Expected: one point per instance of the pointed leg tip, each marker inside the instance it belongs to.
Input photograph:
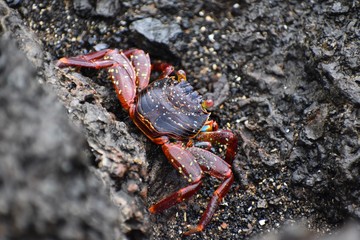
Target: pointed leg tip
(193, 230)
(61, 63)
(152, 209)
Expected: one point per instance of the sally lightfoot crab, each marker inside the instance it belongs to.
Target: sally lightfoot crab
(171, 114)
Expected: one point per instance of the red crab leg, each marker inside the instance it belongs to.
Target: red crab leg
(221, 137)
(86, 60)
(186, 164)
(79, 62)
(119, 67)
(165, 68)
(142, 66)
(216, 167)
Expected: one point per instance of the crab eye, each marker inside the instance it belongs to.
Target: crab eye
(207, 103)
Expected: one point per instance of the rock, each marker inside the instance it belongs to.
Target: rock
(13, 3)
(107, 8)
(103, 8)
(317, 119)
(82, 7)
(46, 188)
(155, 35)
(347, 85)
(170, 6)
(262, 203)
(110, 142)
(292, 69)
(299, 231)
(339, 8)
(220, 92)
(156, 31)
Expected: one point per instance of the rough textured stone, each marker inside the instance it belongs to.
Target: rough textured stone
(46, 188)
(156, 31)
(103, 8)
(284, 74)
(156, 35)
(56, 152)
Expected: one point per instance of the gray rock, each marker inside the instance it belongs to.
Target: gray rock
(157, 37)
(283, 61)
(155, 31)
(45, 173)
(347, 85)
(107, 8)
(82, 7)
(103, 8)
(46, 188)
(315, 126)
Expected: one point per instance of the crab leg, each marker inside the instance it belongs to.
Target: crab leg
(94, 55)
(186, 164)
(165, 68)
(221, 137)
(79, 62)
(142, 66)
(119, 67)
(216, 167)
(87, 60)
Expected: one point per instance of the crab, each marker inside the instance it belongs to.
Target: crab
(171, 114)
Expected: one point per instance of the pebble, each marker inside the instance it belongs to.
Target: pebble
(156, 31)
(262, 222)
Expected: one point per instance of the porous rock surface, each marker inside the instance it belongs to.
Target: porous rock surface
(284, 76)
